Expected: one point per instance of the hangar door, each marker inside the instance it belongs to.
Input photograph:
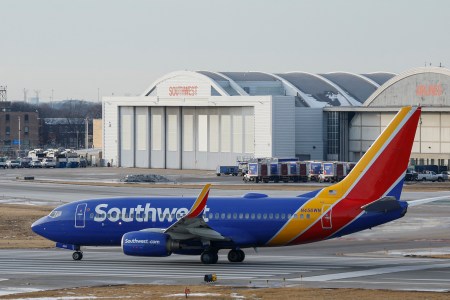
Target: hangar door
(126, 136)
(142, 149)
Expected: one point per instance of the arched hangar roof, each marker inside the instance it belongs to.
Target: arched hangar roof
(427, 86)
(313, 90)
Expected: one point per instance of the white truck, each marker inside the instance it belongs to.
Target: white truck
(430, 176)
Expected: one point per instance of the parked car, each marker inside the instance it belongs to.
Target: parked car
(35, 164)
(48, 163)
(25, 162)
(411, 175)
(12, 164)
(2, 162)
(444, 175)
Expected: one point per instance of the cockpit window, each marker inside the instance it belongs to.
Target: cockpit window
(55, 214)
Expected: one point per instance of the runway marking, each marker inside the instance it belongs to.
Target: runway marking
(377, 271)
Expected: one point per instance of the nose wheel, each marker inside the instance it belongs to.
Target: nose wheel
(236, 256)
(77, 255)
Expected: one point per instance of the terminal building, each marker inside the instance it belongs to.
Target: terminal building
(201, 119)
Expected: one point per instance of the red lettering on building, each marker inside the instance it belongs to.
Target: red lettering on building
(423, 90)
(189, 90)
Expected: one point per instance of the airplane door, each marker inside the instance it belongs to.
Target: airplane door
(326, 218)
(80, 215)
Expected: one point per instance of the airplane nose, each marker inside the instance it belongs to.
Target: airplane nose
(38, 227)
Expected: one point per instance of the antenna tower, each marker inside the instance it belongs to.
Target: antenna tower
(25, 92)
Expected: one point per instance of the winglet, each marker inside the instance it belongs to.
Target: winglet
(199, 204)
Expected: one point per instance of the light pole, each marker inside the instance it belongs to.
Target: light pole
(77, 139)
(86, 130)
(18, 117)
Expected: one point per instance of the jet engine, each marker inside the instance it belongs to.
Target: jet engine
(142, 243)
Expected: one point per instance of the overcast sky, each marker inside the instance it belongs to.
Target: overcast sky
(121, 47)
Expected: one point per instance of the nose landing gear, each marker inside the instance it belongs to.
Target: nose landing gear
(77, 255)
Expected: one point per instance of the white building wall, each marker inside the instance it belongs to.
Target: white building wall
(309, 133)
(263, 126)
(237, 134)
(283, 127)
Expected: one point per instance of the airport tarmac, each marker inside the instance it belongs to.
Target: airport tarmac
(369, 259)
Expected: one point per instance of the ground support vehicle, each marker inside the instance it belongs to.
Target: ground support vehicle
(227, 170)
(333, 172)
(313, 168)
(263, 171)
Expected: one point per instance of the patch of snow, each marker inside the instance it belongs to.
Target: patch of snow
(9, 291)
(195, 295)
(236, 296)
(60, 298)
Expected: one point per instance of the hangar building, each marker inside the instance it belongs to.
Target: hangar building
(201, 119)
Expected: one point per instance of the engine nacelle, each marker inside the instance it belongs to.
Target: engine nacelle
(142, 243)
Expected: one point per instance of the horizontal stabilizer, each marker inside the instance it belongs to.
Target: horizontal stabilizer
(427, 200)
(384, 204)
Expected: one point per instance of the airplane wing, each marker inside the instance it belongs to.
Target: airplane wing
(427, 200)
(192, 225)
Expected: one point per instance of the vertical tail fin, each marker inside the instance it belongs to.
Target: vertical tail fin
(381, 170)
(379, 173)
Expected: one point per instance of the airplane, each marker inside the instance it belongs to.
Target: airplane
(160, 226)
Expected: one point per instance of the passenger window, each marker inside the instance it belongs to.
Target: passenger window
(271, 216)
(222, 216)
(301, 216)
(211, 216)
(307, 216)
(217, 216)
(92, 215)
(264, 216)
(295, 216)
(283, 216)
(241, 216)
(253, 216)
(277, 216)
(235, 216)
(228, 216)
(258, 216)
(289, 216)
(247, 216)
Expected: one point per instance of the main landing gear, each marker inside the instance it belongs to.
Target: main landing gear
(236, 256)
(209, 257)
(77, 255)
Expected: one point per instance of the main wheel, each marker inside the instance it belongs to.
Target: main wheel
(77, 255)
(236, 256)
(209, 257)
(241, 255)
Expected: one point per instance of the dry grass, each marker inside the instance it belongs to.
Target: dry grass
(224, 292)
(15, 226)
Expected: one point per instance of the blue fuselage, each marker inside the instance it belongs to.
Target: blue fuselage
(245, 222)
